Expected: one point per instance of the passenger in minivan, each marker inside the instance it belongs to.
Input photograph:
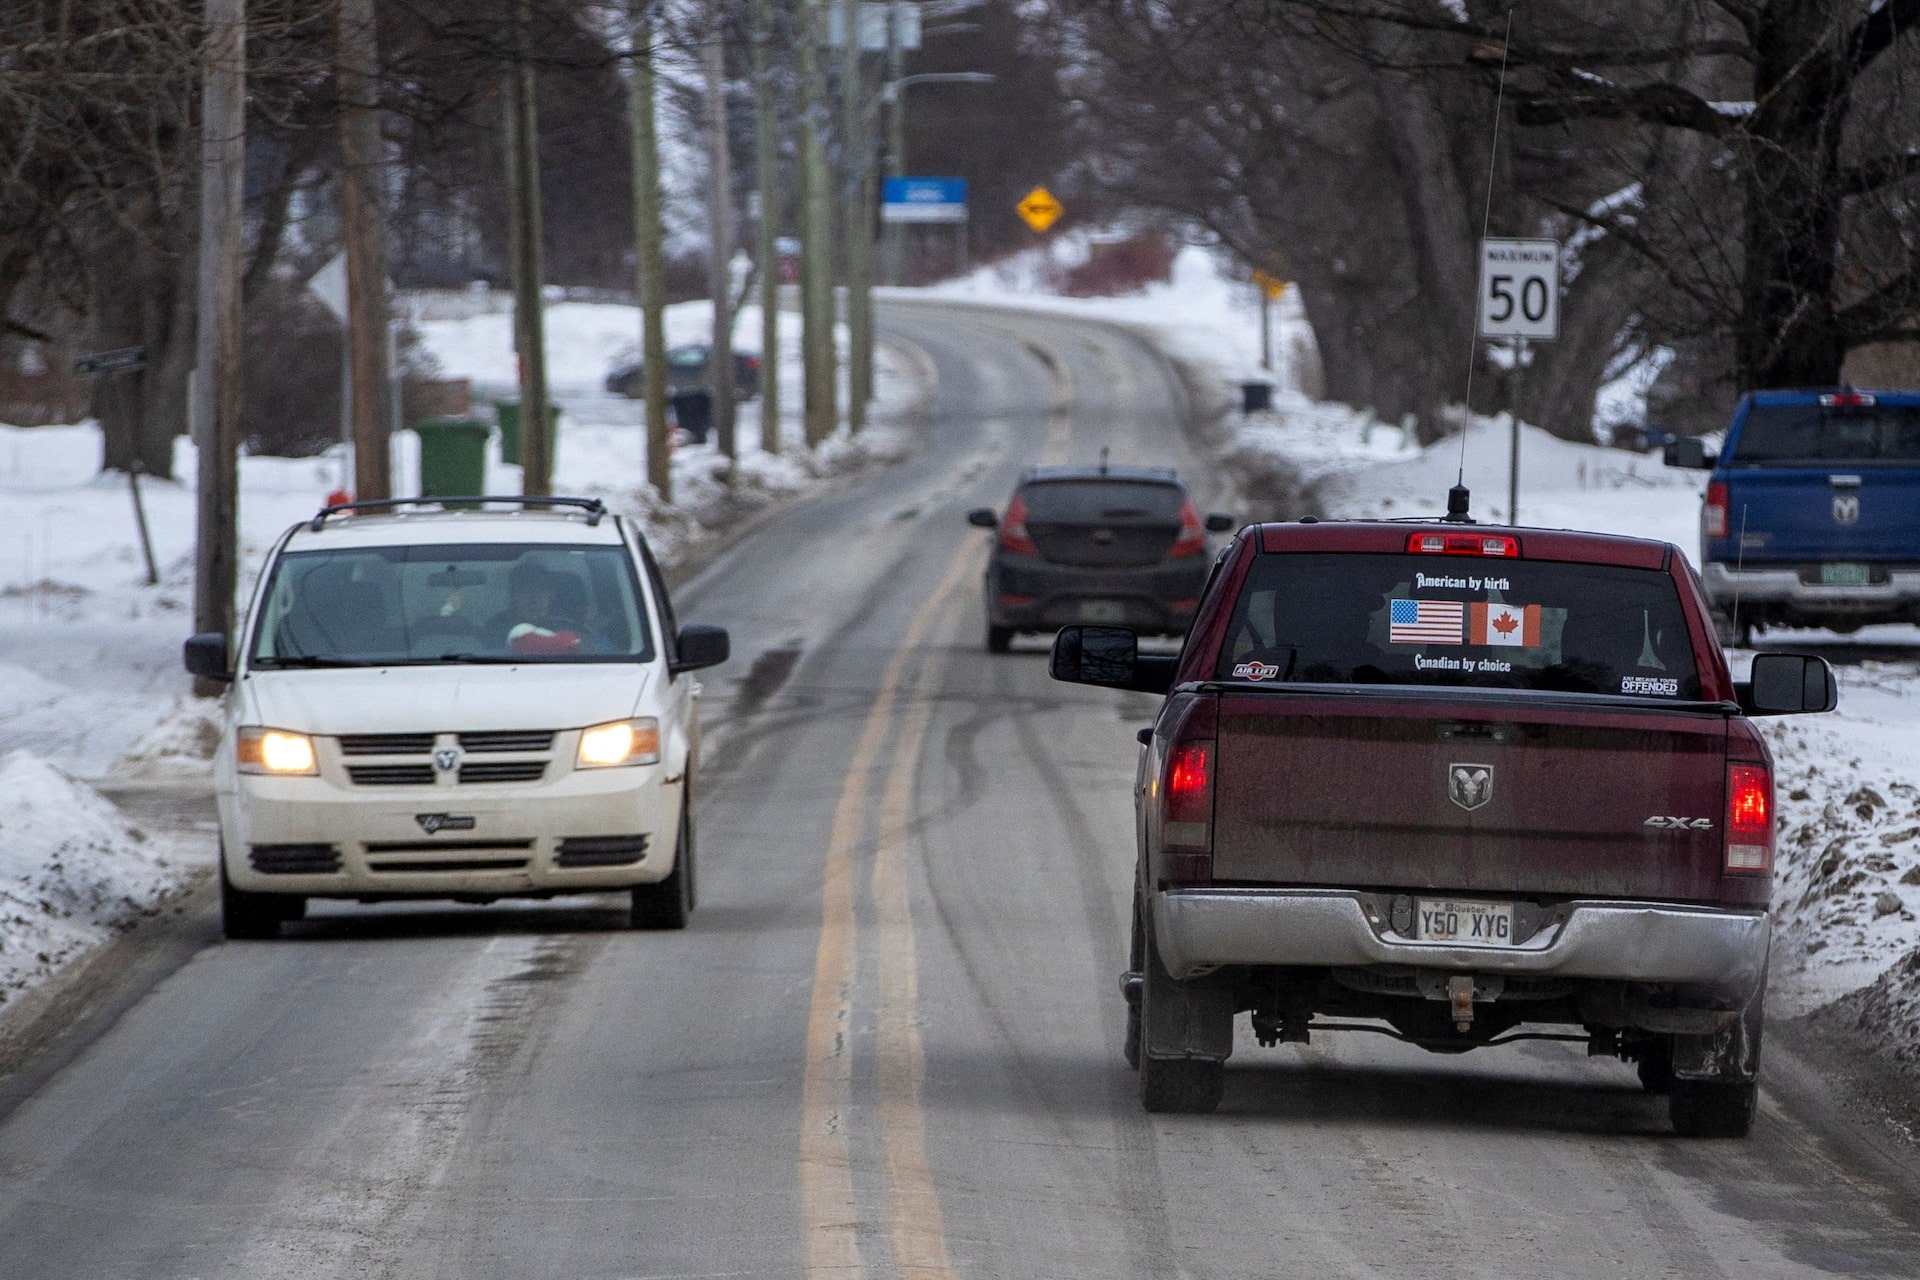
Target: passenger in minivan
(532, 622)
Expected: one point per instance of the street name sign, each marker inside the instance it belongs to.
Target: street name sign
(924, 200)
(1520, 289)
(1040, 209)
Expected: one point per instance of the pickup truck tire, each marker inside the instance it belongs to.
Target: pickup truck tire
(1184, 1084)
(1656, 1068)
(668, 904)
(253, 917)
(1730, 635)
(1712, 1108)
(1136, 964)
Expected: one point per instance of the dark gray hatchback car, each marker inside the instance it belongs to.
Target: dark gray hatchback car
(1116, 545)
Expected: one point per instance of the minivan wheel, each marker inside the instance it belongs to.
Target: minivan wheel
(1712, 1108)
(668, 904)
(252, 916)
(999, 639)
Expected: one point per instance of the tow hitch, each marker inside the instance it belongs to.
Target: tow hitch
(1460, 995)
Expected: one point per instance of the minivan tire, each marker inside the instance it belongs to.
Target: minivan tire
(668, 904)
(251, 917)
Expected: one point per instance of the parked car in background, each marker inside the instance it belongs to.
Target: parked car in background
(1812, 513)
(686, 371)
(1108, 544)
(1475, 784)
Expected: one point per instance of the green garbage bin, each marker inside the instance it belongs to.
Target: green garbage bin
(508, 412)
(453, 457)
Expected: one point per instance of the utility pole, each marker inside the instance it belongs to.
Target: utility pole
(523, 182)
(859, 223)
(896, 102)
(217, 376)
(649, 257)
(816, 261)
(365, 232)
(719, 229)
(767, 171)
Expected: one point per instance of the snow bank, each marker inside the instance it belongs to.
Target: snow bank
(73, 870)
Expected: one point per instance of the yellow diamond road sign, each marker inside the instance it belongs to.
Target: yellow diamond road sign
(1040, 209)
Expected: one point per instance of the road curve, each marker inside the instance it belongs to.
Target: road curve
(888, 1046)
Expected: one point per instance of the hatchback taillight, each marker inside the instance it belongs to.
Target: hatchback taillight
(1749, 819)
(1713, 516)
(1013, 530)
(1193, 535)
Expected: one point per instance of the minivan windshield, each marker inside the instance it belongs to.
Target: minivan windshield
(1788, 434)
(450, 603)
(1455, 621)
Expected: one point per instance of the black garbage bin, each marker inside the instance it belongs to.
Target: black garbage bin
(693, 410)
(1256, 397)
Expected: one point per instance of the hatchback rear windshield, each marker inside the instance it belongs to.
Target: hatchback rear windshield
(1428, 620)
(448, 603)
(1102, 501)
(1781, 434)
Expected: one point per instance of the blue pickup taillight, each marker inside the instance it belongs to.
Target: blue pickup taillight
(1713, 516)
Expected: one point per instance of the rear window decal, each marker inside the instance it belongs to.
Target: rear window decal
(1513, 625)
(1659, 686)
(1426, 622)
(1255, 671)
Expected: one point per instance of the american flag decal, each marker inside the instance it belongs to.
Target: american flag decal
(1427, 622)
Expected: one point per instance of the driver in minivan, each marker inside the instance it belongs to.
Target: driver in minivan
(531, 623)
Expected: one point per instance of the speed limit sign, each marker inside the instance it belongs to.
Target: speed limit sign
(1520, 289)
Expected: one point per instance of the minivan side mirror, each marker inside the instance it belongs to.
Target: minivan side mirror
(1219, 522)
(206, 657)
(983, 518)
(1787, 684)
(1109, 657)
(1689, 454)
(701, 646)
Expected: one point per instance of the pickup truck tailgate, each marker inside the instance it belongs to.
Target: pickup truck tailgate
(1429, 794)
(1828, 514)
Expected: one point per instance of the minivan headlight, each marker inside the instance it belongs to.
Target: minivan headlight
(276, 751)
(622, 742)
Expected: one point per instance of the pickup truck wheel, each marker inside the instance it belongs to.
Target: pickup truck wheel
(253, 916)
(1190, 1085)
(1712, 1108)
(1730, 635)
(999, 639)
(668, 904)
(1136, 963)
(1656, 1069)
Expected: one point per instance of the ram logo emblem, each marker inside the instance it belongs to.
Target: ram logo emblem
(1846, 508)
(1470, 785)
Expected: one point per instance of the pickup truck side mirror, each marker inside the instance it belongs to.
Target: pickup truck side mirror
(206, 657)
(1786, 684)
(1689, 454)
(1109, 657)
(1219, 522)
(983, 518)
(701, 646)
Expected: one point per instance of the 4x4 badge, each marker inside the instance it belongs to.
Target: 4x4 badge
(434, 823)
(1469, 785)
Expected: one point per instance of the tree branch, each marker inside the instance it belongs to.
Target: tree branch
(1879, 29)
(1625, 233)
(1889, 309)
(1871, 175)
(1659, 103)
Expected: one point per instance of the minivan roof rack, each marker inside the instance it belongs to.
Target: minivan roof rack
(593, 507)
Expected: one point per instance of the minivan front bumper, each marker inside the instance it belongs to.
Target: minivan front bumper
(1199, 930)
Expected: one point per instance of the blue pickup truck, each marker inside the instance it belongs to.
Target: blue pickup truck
(1812, 514)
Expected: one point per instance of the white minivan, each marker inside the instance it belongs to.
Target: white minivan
(469, 700)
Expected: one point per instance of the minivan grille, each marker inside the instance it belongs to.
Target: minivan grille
(510, 740)
(600, 851)
(391, 775)
(294, 859)
(503, 771)
(385, 744)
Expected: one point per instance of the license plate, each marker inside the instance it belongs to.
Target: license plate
(1843, 575)
(1479, 924)
(1102, 611)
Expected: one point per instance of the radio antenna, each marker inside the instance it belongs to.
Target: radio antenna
(1486, 222)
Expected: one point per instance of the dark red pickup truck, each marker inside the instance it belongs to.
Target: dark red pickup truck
(1463, 783)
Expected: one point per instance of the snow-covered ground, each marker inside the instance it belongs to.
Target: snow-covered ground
(1848, 784)
(91, 688)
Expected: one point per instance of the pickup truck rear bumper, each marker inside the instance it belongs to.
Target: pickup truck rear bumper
(1898, 593)
(1198, 930)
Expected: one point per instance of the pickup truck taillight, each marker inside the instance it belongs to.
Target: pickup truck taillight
(1749, 819)
(1713, 517)
(1186, 799)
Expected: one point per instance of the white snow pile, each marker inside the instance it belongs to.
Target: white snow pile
(73, 870)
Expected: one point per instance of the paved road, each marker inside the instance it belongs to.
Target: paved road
(889, 1045)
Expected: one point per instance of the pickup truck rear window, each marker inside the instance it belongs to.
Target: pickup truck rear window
(1455, 621)
(1787, 434)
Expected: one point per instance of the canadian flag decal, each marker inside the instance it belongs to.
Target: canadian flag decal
(1517, 625)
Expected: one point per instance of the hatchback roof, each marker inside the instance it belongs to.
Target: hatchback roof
(1096, 471)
